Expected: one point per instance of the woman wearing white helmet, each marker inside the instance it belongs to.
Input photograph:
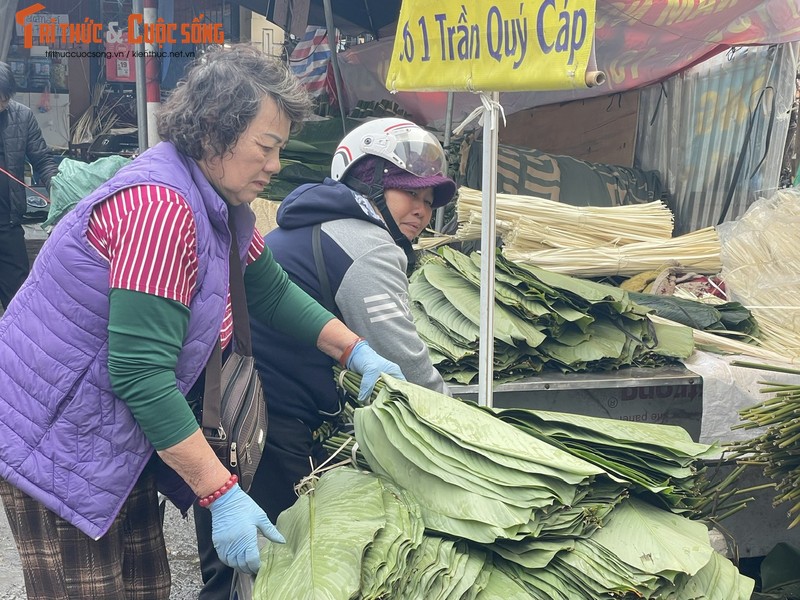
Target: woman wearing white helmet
(389, 161)
(388, 175)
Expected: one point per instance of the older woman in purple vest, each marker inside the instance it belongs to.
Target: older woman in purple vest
(103, 348)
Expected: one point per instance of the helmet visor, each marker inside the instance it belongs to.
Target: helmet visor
(410, 148)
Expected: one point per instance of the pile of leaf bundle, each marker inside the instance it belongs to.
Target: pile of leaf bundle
(301, 163)
(493, 482)
(723, 318)
(660, 462)
(506, 515)
(542, 320)
(357, 535)
(307, 156)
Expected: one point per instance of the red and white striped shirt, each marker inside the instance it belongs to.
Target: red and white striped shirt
(148, 236)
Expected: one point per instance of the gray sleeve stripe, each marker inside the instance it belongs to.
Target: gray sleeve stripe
(376, 298)
(387, 306)
(386, 317)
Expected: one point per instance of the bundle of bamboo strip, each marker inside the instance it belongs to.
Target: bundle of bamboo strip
(433, 241)
(698, 251)
(470, 227)
(726, 345)
(761, 267)
(529, 223)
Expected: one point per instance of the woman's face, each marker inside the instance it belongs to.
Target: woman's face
(411, 209)
(241, 174)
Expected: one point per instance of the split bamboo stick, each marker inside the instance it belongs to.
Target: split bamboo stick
(529, 223)
(697, 251)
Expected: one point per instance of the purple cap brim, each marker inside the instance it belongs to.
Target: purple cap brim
(444, 188)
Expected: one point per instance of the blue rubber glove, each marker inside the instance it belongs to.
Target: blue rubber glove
(370, 365)
(235, 520)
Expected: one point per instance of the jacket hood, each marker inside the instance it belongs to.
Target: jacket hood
(314, 203)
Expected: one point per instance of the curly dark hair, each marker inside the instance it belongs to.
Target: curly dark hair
(221, 95)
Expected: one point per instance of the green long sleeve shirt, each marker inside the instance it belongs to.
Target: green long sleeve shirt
(146, 335)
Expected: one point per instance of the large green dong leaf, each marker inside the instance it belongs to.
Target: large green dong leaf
(321, 559)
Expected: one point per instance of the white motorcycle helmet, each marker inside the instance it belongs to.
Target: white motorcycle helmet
(403, 144)
(399, 141)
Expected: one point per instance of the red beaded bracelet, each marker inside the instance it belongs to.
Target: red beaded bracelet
(205, 502)
(349, 350)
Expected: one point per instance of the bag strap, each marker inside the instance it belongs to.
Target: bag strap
(322, 271)
(241, 317)
(327, 300)
(212, 395)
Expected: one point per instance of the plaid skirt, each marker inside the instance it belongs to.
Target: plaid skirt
(59, 562)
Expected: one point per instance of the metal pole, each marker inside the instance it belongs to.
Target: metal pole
(448, 126)
(152, 77)
(337, 77)
(488, 248)
(141, 83)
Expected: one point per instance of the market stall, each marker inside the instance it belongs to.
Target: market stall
(667, 395)
(736, 23)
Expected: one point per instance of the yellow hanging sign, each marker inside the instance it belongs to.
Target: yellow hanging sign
(494, 45)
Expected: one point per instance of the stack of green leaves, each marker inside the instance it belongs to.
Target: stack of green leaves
(356, 535)
(542, 320)
(301, 163)
(473, 482)
(307, 156)
(471, 472)
(330, 552)
(641, 552)
(476, 477)
(722, 318)
(658, 459)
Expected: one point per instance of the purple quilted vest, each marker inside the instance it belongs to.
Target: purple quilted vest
(66, 439)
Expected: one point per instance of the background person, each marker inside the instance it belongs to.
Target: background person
(109, 335)
(368, 214)
(21, 141)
